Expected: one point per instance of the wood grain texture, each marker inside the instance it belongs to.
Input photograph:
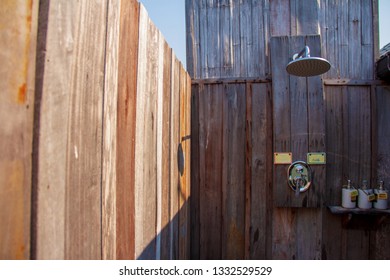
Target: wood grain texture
(241, 31)
(184, 166)
(18, 36)
(84, 166)
(110, 119)
(174, 175)
(295, 118)
(260, 204)
(381, 243)
(52, 141)
(166, 154)
(146, 139)
(126, 127)
(335, 179)
(348, 38)
(234, 171)
(210, 163)
(195, 174)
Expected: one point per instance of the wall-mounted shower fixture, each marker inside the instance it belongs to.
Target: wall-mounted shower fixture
(304, 66)
(299, 177)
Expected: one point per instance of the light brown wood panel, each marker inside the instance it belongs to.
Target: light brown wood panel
(146, 138)
(109, 152)
(174, 175)
(166, 154)
(84, 167)
(184, 157)
(18, 36)
(52, 117)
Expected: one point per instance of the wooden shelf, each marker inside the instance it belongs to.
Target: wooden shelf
(358, 211)
(360, 218)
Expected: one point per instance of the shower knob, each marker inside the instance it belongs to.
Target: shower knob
(299, 177)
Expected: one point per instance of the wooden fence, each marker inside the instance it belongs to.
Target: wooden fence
(105, 114)
(237, 53)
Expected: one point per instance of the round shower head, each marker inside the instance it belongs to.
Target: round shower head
(308, 66)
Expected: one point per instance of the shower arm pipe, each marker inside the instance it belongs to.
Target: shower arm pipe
(305, 51)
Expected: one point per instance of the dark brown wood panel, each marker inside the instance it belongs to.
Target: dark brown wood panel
(259, 157)
(127, 100)
(298, 113)
(233, 173)
(232, 185)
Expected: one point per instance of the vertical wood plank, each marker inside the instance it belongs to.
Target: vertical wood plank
(359, 160)
(146, 139)
(226, 38)
(280, 18)
(316, 125)
(367, 70)
(185, 140)
(84, 154)
(332, 247)
(306, 17)
(213, 39)
(236, 38)
(166, 153)
(188, 139)
(18, 37)
(245, 37)
(248, 168)
(330, 36)
(233, 204)
(354, 38)
(195, 161)
(203, 37)
(192, 40)
(281, 112)
(175, 140)
(126, 129)
(343, 38)
(309, 221)
(109, 157)
(210, 143)
(261, 173)
(50, 139)
(382, 94)
(283, 235)
(159, 142)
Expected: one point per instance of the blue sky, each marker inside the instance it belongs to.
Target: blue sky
(169, 17)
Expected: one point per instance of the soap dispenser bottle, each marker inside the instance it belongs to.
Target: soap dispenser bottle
(380, 197)
(349, 194)
(365, 197)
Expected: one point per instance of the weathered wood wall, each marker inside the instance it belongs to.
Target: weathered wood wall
(231, 40)
(18, 24)
(231, 178)
(111, 120)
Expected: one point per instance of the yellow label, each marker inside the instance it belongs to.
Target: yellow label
(282, 158)
(382, 196)
(316, 158)
(371, 197)
(354, 193)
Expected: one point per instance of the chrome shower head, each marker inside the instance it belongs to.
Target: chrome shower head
(304, 66)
